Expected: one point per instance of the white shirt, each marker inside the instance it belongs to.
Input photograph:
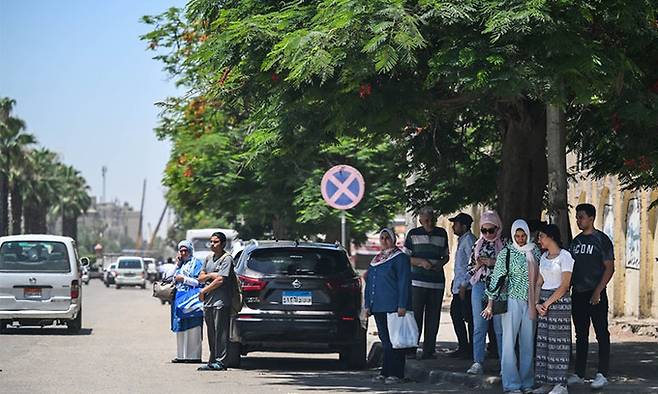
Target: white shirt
(551, 269)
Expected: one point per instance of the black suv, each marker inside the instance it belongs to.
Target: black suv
(298, 297)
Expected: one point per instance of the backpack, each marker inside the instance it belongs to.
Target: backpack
(236, 297)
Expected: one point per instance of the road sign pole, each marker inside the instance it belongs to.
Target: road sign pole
(343, 233)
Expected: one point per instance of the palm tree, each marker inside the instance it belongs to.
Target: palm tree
(41, 189)
(74, 199)
(13, 141)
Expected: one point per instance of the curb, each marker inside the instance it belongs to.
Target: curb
(418, 372)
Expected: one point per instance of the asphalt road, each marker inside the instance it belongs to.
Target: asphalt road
(126, 345)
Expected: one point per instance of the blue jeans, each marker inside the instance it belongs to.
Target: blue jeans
(517, 323)
(481, 326)
(394, 359)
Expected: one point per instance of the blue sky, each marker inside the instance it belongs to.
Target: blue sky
(86, 87)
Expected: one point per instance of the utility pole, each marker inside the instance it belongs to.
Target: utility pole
(103, 171)
(138, 244)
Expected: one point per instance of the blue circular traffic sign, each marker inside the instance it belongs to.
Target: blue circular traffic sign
(342, 187)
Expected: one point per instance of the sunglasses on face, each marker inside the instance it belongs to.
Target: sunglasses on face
(485, 230)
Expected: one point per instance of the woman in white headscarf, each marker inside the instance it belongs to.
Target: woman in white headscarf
(519, 320)
(186, 311)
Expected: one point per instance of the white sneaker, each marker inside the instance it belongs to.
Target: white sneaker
(575, 379)
(475, 369)
(599, 381)
(392, 380)
(559, 389)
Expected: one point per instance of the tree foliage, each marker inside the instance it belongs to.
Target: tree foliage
(446, 86)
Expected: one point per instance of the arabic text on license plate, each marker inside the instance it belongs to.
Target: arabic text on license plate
(32, 292)
(297, 298)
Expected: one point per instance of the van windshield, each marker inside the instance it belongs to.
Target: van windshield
(131, 264)
(34, 256)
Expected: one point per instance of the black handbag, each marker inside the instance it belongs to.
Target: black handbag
(500, 301)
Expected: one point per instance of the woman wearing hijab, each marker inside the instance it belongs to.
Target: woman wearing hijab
(388, 290)
(519, 320)
(482, 262)
(554, 310)
(188, 327)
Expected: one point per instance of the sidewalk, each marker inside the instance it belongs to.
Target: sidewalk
(634, 363)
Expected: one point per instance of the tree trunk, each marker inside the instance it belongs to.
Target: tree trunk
(67, 225)
(522, 180)
(16, 210)
(279, 229)
(4, 203)
(556, 150)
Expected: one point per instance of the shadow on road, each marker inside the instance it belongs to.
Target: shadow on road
(322, 374)
(47, 331)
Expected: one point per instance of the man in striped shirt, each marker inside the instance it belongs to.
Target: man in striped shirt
(428, 248)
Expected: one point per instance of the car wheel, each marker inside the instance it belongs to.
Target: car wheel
(3, 327)
(355, 356)
(118, 287)
(75, 325)
(233, 358)
(143, 286)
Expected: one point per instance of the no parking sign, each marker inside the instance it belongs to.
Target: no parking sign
(342, 187)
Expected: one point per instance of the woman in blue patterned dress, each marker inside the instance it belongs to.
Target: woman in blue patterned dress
(186, 322)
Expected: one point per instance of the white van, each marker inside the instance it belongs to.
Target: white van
(40, 281)
(130, 272)
(200, 239)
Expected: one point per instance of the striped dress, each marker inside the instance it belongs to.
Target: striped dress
(553, 330)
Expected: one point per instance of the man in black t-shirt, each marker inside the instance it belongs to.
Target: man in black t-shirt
(593, 268)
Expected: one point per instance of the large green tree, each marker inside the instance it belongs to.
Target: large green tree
(461, 87)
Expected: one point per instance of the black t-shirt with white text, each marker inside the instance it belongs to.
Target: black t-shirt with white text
(589, 253)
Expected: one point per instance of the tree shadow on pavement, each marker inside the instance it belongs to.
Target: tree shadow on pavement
(323, 374)
(47, 331)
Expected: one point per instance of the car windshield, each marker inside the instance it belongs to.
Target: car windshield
(201, 244)
(298, 261)
(34, 256)
(134, 264)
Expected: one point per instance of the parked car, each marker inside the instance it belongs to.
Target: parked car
(130, 272)
(298, 297)
(40, 281)
(109, 274)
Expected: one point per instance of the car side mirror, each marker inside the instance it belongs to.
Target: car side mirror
(84, 261)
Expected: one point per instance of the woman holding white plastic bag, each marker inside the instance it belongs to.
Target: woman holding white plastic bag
(388, 290)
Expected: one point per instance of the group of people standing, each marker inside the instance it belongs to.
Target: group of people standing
(209, 284)
(523, 292)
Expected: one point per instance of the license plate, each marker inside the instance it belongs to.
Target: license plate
(128, 274)
(32, 292)
(297, 298)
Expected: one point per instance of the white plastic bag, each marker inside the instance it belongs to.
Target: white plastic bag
(402, 331)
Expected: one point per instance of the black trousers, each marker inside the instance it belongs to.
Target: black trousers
(583, 313)
(461, 314)
(394, 360)
(426, 304)
(217, 323)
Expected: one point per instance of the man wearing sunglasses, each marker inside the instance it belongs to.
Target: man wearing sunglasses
(427, 246)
